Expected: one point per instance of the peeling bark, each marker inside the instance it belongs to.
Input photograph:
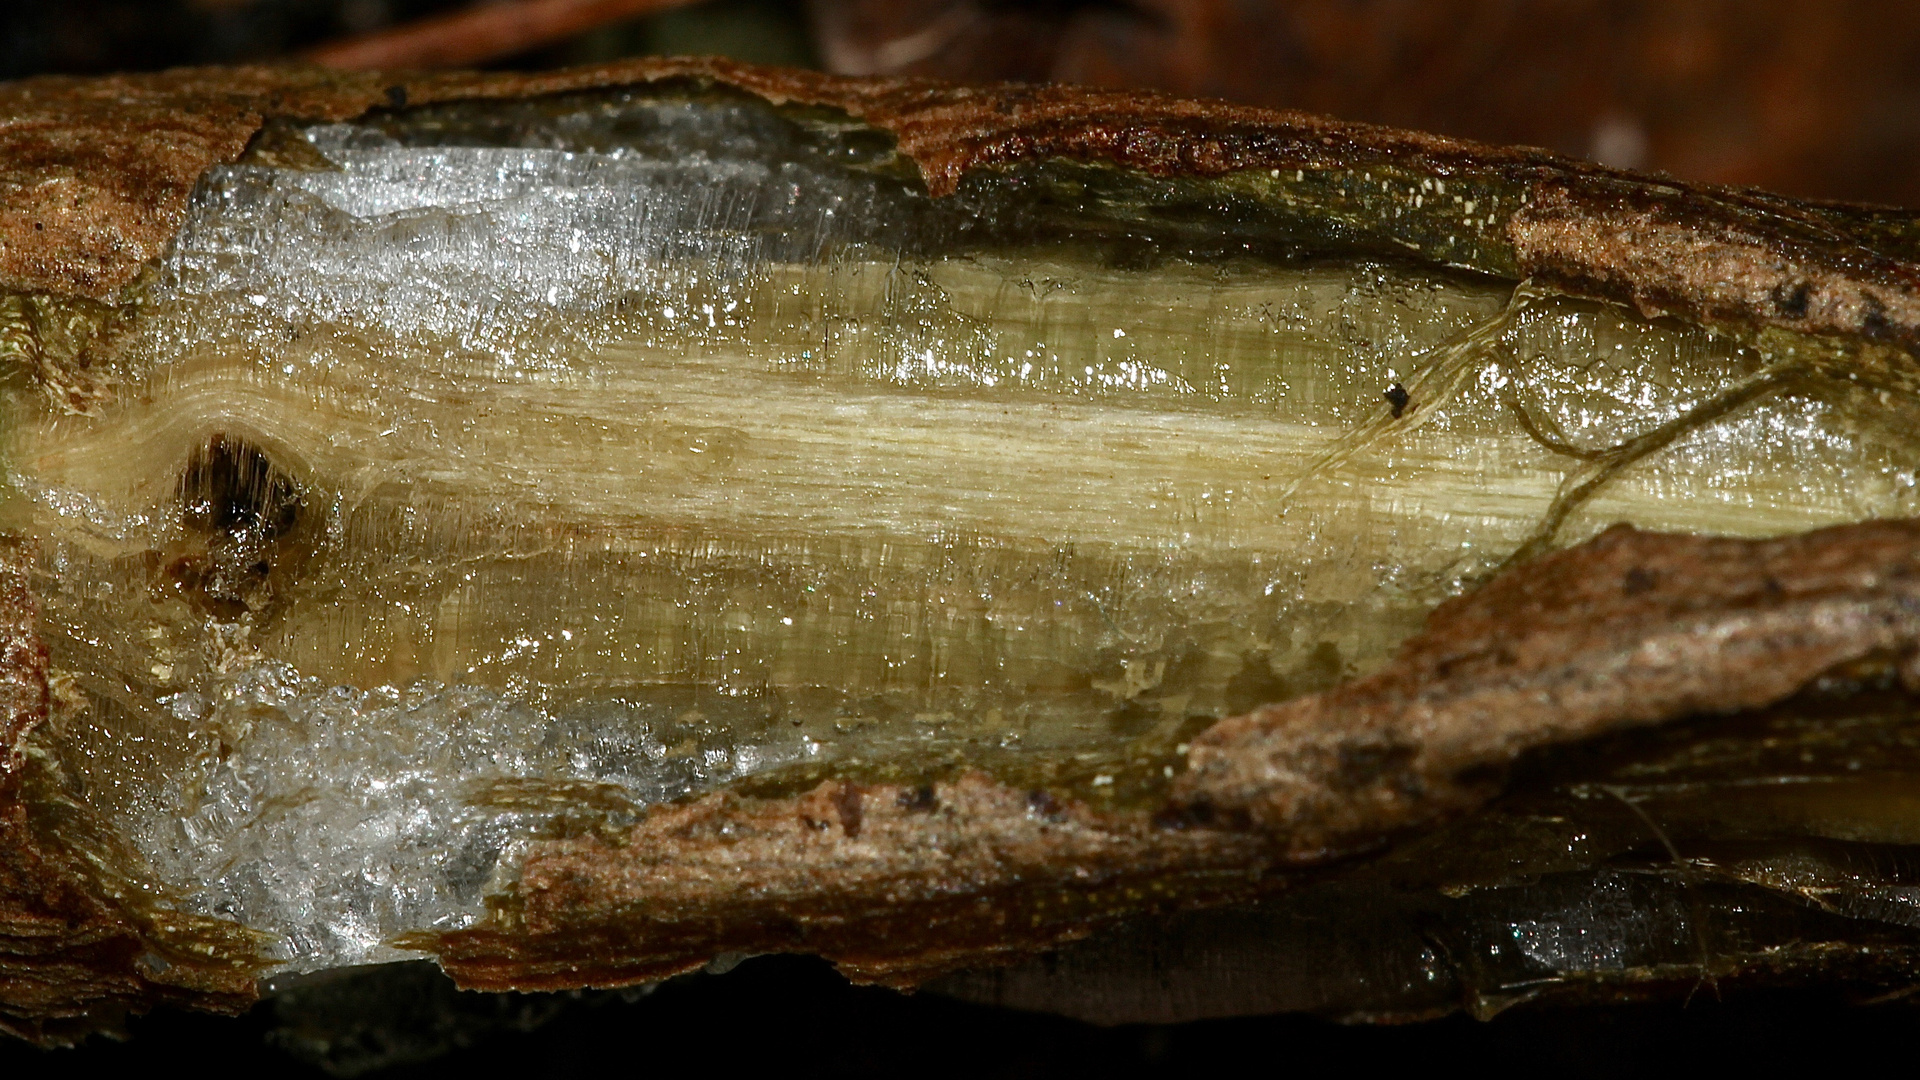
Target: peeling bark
(900, 884)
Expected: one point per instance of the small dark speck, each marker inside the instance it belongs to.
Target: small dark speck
(921, 799)
(37, 226)
(1793, 302)
(1398, 397)
(1042, 803)
(397, 96)
(1874, 323)
(1639, 580)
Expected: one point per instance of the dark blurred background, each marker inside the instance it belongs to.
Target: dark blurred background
(1816, 98)
(785, 1017)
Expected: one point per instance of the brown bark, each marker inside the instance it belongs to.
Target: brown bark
(95, 175)
(78, 953)
(1807, 97)
(1631, 628)
(896, 884)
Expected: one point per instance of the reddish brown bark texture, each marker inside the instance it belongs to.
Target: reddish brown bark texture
(1811, 97)
(898, 884)
(893, 884)
(1629, 629)
(1712, 255)
(73, 957)
(95, 175)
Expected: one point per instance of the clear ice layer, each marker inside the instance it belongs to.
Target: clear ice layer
(642, 446)
(518, 256)
(340, 817)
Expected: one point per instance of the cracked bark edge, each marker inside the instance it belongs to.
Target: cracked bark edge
(95, 175)
(895, 885)
(79, 950)
(900, 885)
(1629, 629)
